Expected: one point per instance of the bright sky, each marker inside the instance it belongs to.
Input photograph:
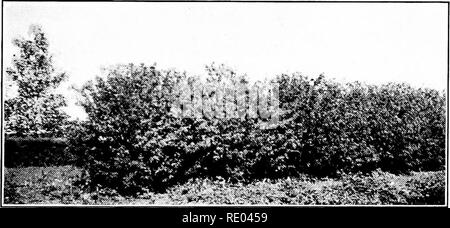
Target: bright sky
(374, 43)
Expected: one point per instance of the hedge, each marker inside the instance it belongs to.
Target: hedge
(28, 151)
(131, 141)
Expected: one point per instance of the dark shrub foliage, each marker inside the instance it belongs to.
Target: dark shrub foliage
(28, 151)
(355, 128)
(124, 143)
(132, 142)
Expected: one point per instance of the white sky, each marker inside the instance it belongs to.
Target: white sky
(374, 43)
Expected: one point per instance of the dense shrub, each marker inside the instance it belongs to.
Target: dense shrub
(128, 116)
(355, 127)
(29, 151)
(133, 141)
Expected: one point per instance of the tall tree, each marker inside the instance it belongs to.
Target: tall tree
(36, 110)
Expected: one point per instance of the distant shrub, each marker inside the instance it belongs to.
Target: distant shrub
(29, 151)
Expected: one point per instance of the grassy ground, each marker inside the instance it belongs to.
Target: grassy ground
(57, 185)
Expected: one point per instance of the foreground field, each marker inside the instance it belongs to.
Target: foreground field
(62, 185)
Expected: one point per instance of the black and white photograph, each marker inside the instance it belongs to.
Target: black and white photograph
(228, 103)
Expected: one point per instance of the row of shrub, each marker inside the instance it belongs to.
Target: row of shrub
(132, 142)
(30, 151)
